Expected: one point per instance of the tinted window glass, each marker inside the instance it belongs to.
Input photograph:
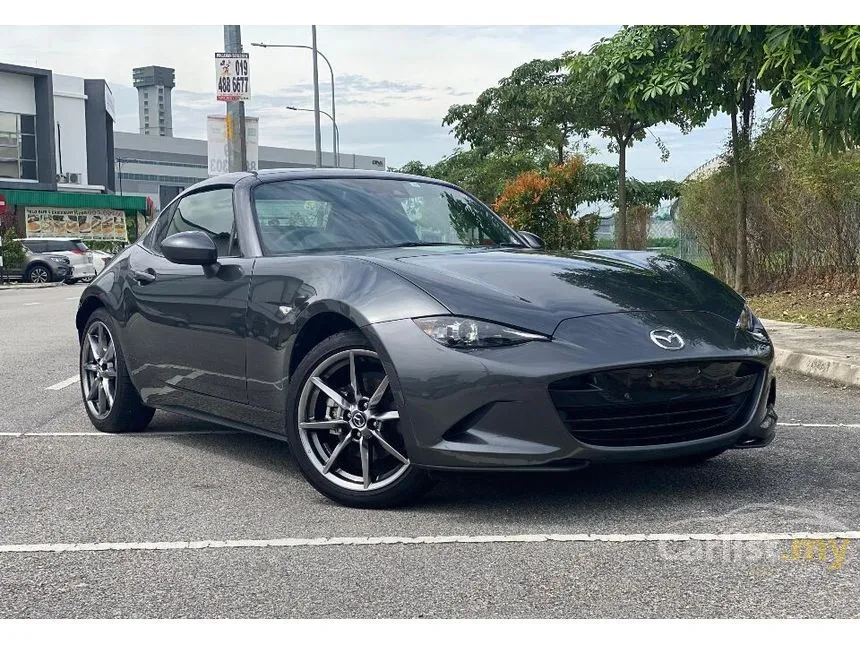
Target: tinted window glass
(210, 212)
(35, 247)
(28, 124)
(320, 214)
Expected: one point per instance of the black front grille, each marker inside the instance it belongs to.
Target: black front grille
(653, 405)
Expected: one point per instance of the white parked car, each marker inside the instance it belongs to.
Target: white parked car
(80, 256)
(100, 260)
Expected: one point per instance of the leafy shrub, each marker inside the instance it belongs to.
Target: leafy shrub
(544, 203)
(13, 251)
(803, 214)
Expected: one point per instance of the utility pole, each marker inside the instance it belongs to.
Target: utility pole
(237, 155)
(316, 98)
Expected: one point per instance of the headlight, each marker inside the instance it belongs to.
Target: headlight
(749, 323)
(466, 333)
(59, 259)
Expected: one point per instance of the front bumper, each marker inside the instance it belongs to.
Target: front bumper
(83, 271)
(492, 409)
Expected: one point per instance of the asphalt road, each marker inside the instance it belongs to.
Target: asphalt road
(183, 481)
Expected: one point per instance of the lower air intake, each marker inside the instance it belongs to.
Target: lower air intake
(654, 405)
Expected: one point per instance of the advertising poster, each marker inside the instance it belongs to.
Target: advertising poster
(87, 224)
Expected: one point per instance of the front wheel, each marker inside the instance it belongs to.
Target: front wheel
(110, 399)
(343, 427)
(38, 274)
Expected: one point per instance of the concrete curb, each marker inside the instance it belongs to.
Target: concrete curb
(24, 285)
(819, 352)
(822, 367)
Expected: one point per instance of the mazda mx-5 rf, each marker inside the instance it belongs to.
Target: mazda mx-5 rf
(389, 326)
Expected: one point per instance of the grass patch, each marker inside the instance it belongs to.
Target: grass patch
(816, 307)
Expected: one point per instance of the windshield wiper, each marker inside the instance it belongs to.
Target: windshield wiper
(409, 244)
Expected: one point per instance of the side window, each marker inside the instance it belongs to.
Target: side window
(211, 212)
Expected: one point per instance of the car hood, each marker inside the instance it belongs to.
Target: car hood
(536, 291)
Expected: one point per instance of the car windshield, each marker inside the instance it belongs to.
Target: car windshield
(304, 215)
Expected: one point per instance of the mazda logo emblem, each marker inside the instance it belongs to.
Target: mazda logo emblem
(667, 339)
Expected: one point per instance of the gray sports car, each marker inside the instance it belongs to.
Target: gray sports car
(388, 326)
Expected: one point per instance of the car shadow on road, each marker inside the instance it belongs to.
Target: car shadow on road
(526, 497)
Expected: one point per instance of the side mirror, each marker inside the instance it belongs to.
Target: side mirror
(190, 247)
(531, 239)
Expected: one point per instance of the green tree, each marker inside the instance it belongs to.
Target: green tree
(624, 86)
(814, 75)
(482, 174)
(726, 61)
(528, 111)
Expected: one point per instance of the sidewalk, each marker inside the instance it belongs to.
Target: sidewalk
(831, 354)
(27, 285)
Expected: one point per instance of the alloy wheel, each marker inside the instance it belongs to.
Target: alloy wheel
(347, 422)
(38, 275)
(98, 369)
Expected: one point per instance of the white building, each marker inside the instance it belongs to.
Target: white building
(56, 131)
(160, 167)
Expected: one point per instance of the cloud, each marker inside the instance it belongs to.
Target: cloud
(393, 84)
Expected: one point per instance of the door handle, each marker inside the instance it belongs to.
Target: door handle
(143, 277)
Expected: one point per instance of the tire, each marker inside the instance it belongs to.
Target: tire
(126, 412)
(39, 274)
(357, 451)
(692, 460)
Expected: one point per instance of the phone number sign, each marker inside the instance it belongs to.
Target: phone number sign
(232, 78)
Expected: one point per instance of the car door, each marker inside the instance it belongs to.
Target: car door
(186, 329)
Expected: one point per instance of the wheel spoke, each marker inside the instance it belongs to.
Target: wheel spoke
(334, 396)
(391, 415)
(364, 449)
(347, 439)
(94, 346)
(93, 394)
(322, 425)
(353, 377)
(378, 394)
(110, 352)
(106, 388)
(101, 340)
(110, 373)
(391, 450)
(91, 367)
(102, 400)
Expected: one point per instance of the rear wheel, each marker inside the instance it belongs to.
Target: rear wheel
(110, 399)
(38, 274)
(343, 427)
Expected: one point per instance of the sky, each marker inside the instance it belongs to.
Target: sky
(393, 84)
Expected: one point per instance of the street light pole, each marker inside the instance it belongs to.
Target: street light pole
(316, 98)
(336, 130)
(335, 137)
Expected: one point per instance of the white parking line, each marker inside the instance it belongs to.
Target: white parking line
(66, 383)
(178, 433)
(819, 425)
(30, 304)
(73, 298)
(439, 539)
